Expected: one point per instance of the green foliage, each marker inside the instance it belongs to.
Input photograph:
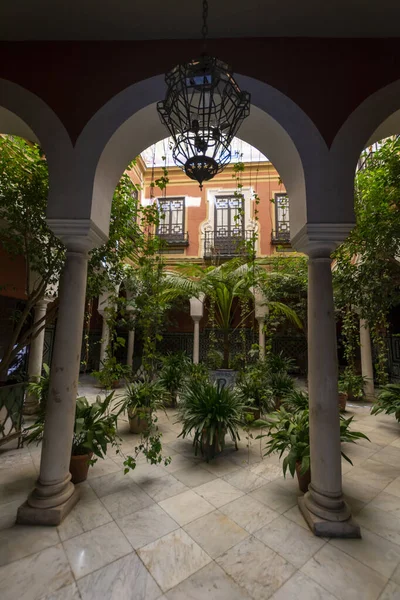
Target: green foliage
(222, 285)
(111, 373)
(280, 386)
(208, 411)
(367, 273)
(24, 233)
(351, 384)
(95, 427)
(143, 394)
(296, 400)
(40, 388)
(198, 372)
(175, 367)
(253, 384)
(388, 401)
(289, 433)
(278, 363)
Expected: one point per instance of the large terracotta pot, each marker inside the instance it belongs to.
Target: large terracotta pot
(79, 467)
(138, 422)
(303, 479)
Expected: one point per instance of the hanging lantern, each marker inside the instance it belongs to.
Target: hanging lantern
(203, 110)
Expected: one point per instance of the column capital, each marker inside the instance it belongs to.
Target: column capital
(78, 235)
(319, 240)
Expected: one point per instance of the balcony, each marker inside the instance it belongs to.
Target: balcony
(225, 244)
(174, 240)
(280, 238)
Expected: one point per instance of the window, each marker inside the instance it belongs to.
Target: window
(172, 219)
(229, 219)
(282, 228)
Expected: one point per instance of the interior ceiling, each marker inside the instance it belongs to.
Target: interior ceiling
(181, 19)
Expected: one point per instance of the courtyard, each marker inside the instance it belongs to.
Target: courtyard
(227, 529)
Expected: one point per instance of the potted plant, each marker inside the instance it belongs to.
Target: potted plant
(111, 373)
(253, 384)
(289, 432)
(351, 387)
(140, 399)
(95, 429)
(280, 386)
(174, 369)
(209, 411)
(388, 401)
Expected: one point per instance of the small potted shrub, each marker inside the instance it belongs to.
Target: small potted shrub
(253, 384)
(140, 399)
(111, 373)
(174, 369)
(388, 401)
(209, 411)
(289, 433)
(351, 387)
(280, 385)
(95, 429)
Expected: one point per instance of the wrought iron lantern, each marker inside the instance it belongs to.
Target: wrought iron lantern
(203, 110)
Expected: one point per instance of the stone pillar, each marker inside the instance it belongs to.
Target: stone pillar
(323, 505)
(196, 312)
(261, 337)
(35, 363)
(260, 312)
(367, 368)
(54, 495)
(105, 337)
(131, 345)
(196, 340)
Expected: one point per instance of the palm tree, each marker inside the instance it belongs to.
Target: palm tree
(222, 285)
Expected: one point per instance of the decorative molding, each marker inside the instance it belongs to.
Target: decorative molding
(79, 235)
(319, 240)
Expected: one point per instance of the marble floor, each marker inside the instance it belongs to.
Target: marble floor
(227, 530)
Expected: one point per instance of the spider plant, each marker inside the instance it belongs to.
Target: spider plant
(208, 411)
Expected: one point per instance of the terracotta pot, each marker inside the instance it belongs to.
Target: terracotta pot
(342, 401)
(138, 422)
(256, 412)
(211, 450)
(79, 467)
(303, 479)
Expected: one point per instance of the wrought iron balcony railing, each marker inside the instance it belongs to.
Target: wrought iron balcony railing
(280, 237)
(174, 239)
(227, 244)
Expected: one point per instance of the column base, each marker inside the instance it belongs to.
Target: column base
(28, 515)
(324, 528)
(30, 409)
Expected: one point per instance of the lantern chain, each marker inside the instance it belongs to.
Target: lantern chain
(204, 29)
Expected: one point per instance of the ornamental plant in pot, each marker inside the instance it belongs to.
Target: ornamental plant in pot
(95, 429)
(209, 411)
(280, 385)
(351, 387)
(174, 369)
(288, 432)
(141, 398)
(252, 384)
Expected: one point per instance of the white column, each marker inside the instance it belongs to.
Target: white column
(35, 363)
(261, 337)
(196, 312)
(54, 495)
(323, 505)
(261, 310)
(105, 337)
(196, 340)
(131, 345)
(367, 368)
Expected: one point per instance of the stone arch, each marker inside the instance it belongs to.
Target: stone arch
(24, 114)
(374, 119)
(129, 123)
